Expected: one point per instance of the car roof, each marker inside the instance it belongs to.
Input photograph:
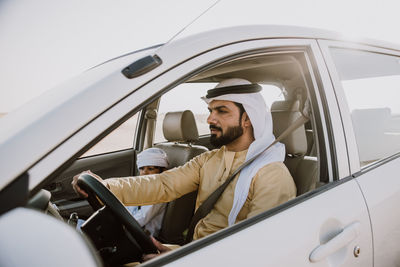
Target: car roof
(33, 131)
(257, 31)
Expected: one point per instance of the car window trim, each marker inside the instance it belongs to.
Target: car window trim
(376, 164)
(322, 144)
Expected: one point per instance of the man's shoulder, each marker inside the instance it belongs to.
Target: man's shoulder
(277, 168)
(275, 173)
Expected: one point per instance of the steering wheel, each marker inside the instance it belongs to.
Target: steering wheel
(98, 191)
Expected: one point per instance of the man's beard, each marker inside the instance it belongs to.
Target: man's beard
(232, 133)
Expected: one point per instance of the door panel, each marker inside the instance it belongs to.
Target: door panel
(366, 80)
(381, 188)
(289, 237)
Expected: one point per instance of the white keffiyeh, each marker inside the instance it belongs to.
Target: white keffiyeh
(261, 120)
(152, 157)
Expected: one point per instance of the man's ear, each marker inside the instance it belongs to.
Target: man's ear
(246, 120)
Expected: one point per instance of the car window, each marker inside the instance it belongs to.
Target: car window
(188, 96)
(371, 85)
(119, 139)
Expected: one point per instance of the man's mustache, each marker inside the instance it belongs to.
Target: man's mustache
(213, 127)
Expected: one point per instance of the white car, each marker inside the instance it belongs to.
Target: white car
(345, 159)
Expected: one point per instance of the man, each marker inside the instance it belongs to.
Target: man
(241, 123)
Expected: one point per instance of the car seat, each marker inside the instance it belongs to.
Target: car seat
(180, 131)
(303, 168)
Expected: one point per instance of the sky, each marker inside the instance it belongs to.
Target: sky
(46, 42)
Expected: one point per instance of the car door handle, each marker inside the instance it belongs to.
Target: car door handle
(342, 239)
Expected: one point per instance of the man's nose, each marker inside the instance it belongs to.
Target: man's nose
(211, 119)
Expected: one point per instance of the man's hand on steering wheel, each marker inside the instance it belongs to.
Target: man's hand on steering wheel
(105, 202)
(79, 190)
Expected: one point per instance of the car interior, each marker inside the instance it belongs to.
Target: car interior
(306, 159)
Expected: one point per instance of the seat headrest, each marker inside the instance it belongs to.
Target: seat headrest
(180, 126)
(285, 113)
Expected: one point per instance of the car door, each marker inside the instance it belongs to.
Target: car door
(326, 227)
(367, 82)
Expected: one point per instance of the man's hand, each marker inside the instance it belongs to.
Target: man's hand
(161, 248)
(79, 190)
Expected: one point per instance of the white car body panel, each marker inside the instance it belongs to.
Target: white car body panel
(316, 219)
(381, 188)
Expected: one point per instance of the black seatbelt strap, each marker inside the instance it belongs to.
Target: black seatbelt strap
(209, 203)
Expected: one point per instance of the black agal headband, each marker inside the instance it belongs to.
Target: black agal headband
(234, 89)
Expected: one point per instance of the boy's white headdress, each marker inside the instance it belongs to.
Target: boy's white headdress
(152, 157)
